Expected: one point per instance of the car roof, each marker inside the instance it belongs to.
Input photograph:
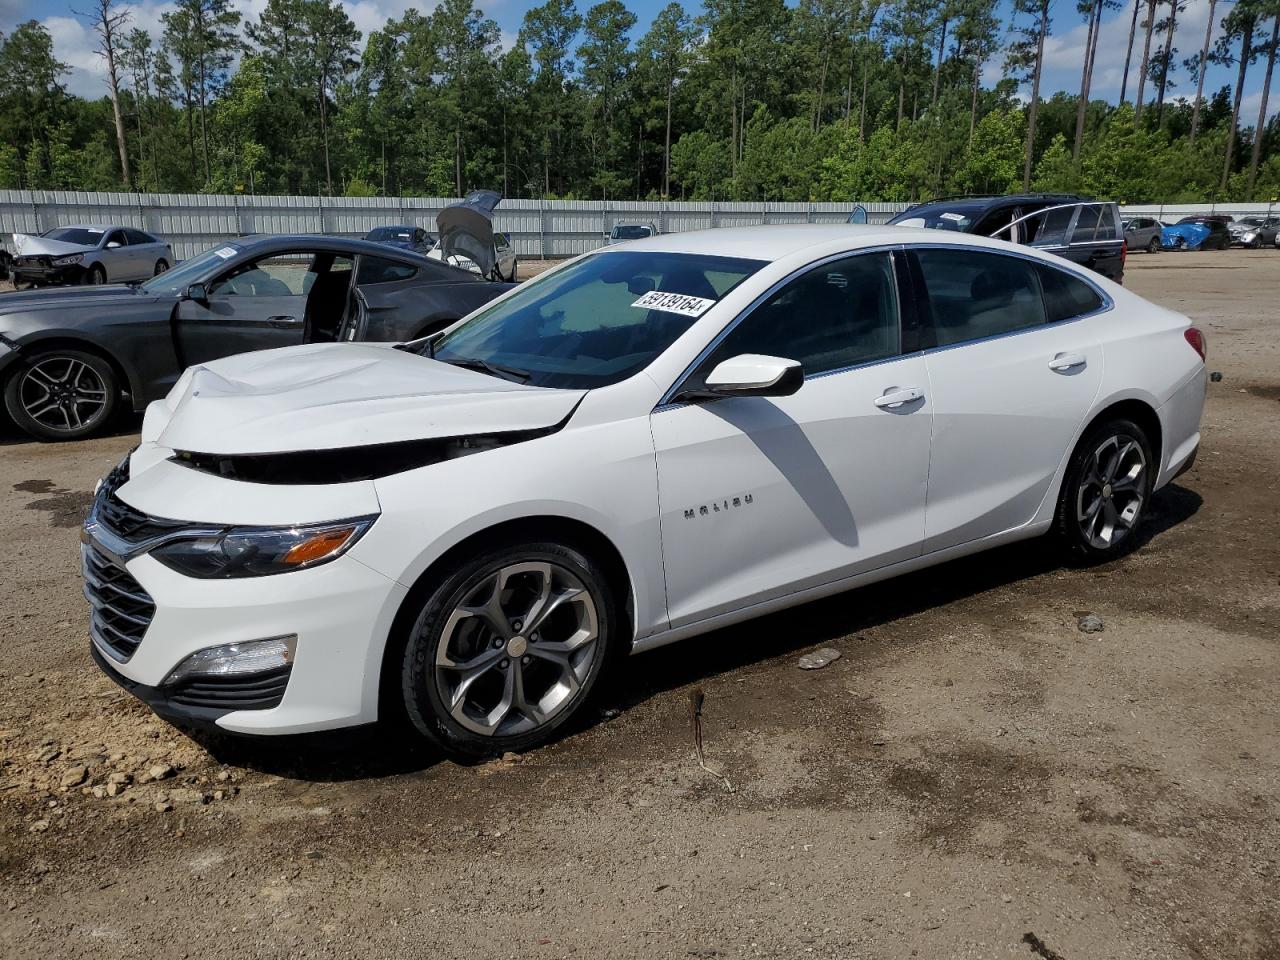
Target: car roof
(776, 241)
(96, 226)
(322, 241)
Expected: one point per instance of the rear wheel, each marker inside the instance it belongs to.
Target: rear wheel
(62, 395)
(161, 267)
(508, 648)
(1154, 245)
(1105, 491)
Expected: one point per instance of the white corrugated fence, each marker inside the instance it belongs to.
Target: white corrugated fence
(543, 229)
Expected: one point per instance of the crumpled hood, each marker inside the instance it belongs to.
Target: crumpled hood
(330, 396)
(29, 246)
(466, 229)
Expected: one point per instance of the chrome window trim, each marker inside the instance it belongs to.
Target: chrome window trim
(666, 403)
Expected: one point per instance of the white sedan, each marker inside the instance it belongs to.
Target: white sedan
(647, 443)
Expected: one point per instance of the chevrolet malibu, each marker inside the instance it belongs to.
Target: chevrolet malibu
(645, 444)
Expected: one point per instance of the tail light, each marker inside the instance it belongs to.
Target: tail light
(1197, 341)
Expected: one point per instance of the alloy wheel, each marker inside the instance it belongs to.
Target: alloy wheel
(1112, 491)
(517, 648)
(62, 393)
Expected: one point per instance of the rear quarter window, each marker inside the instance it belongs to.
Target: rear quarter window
(1066, 296)
(378, 270)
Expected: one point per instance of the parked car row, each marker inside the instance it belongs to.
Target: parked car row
(1202, 232)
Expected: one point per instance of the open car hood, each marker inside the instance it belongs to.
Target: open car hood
(333, 396)
(29, 246)
(466, 229)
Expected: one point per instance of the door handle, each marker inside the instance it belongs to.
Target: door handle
(283, 322)
(894, 398)
(1063, 362)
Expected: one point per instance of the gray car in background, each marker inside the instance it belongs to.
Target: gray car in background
(1143, 233)
(93, 253)
(1253, 232)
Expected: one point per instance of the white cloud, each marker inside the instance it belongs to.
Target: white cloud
(75, 43)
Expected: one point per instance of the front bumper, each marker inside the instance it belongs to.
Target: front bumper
(341, 613)
(35, 272)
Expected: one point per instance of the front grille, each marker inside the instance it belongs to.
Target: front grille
(122, 610)
(33, 261)
(123, 520)
(261, 691)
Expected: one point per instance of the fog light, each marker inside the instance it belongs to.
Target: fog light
(236, 659)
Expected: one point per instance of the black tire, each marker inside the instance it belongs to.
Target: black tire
(1154, 245)
(1075, 498)
(162, 265)
(82, 412)
(420, 680)
(95, 275)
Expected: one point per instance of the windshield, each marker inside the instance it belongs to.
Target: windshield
(81, 236)
(389, 233)
(597, 321)
(1250, 221)
(959, 217)
(630, 232)
(189, 271)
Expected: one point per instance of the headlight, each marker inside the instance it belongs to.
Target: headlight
(68, 261)
(261, 551)
(1249, 237)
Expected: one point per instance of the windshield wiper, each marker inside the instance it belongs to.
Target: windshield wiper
(484, 366)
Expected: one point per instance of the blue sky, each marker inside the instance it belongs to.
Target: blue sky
(74, 43)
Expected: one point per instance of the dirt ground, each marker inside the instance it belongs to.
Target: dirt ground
(974, 777)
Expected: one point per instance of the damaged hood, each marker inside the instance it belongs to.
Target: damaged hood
(28, 246)
(332, 396)
(466, 229)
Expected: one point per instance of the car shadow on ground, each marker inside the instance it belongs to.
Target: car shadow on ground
(388, 750)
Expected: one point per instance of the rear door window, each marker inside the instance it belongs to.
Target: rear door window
(972, 295)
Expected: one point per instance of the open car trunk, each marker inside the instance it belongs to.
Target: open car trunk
(466, 230)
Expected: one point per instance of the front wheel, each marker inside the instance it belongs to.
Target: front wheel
(508, 648)
(62, 395)
(1105, 491)
(96, 275)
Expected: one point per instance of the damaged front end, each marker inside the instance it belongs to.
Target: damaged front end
(351, 464)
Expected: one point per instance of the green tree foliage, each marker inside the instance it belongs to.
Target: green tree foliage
(749, 100)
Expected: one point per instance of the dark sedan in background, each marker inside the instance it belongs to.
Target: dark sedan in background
(69, 357)
(405, 238)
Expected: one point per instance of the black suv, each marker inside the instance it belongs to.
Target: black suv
(1087, 232)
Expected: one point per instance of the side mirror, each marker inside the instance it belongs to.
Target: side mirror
(198, 293)
(113, 244)
(755, 375)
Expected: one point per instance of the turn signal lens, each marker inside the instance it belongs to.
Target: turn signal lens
(1197, 341)
(317, 547)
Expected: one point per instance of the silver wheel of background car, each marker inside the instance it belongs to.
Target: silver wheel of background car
(1111, 492)
(62, 393)
(96, 275)
(161, 267)
(515, 651)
